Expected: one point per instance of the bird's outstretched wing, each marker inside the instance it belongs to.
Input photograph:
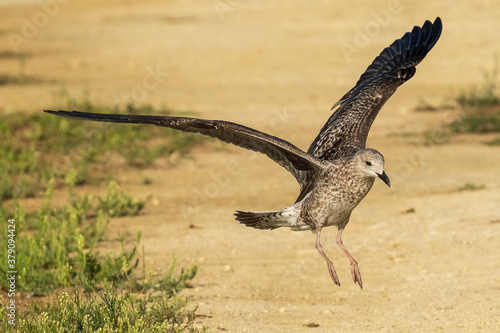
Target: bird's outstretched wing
(347, 129)
(296, 161)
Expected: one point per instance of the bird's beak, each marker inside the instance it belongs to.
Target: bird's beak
(385, 179)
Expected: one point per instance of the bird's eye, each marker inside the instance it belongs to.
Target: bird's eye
(368, 163)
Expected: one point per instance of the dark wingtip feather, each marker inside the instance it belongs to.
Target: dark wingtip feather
(402, 55)
(107, 117)
(437, 28)
(59, 113)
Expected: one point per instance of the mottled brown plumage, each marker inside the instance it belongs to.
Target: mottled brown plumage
(338, 170)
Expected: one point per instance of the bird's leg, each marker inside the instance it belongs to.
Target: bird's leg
(333, 274)
(356, 275)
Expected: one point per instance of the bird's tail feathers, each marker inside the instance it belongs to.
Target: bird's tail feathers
(286, 217)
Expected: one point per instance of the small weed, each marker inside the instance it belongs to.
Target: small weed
(471, 187)
(478, 97)
(484, 95)
(8, 54)
(402, 134)
(481, 107)
(436, 137)
(494, 142)
(425, 106)
(169, 284)
(479, 111)
(21, 77)
(478, 121)
(117, 203)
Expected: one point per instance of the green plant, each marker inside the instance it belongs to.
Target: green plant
(481, 106)
(483, 95)
(478, 121)
(493, 142)
(479, 111)
(425, 106)
(56, 246)
(471, 187)
(117, 203)
(21, 77)
(106, 310)
(436, 137)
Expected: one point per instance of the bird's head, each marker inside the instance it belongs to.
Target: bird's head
(371, 163)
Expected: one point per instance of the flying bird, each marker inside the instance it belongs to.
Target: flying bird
(337, 171)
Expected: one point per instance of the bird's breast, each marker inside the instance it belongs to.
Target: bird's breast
(331, 203)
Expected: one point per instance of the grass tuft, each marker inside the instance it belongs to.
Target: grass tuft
(481, 107)
(117, 203)
(478, 121)
(479, 111)
(484, 94)
(471, 187)
(494, 142)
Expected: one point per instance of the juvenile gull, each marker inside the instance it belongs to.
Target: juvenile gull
(338, 170)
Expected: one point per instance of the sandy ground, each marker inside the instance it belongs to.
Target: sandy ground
(428, 253)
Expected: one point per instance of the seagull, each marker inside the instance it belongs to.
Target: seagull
(337, 171)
